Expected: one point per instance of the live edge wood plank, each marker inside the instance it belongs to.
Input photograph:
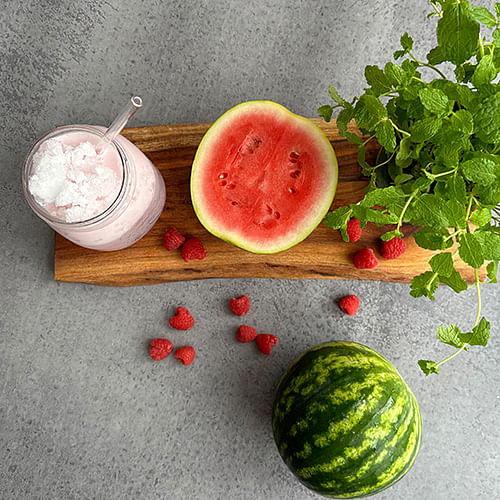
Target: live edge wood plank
(322, 255)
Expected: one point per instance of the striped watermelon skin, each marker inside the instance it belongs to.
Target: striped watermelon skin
(345, 422)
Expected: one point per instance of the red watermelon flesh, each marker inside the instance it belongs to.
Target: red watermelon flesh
(263, 178)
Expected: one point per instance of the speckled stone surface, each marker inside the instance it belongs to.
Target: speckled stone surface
(84, 412)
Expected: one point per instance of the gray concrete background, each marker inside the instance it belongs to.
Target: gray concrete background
(84, 413)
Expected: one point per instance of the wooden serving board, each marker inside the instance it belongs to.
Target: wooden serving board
(322, 255)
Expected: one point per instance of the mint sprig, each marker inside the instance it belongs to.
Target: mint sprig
(439, 166)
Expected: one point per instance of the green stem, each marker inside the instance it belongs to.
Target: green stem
(467, 214)
(481, 47)
(438, 12)
(454, 234)
(404, 132)
(368, 140)
(418, 79)
(386, 161)
(478, 315)
(443, 173)
(434, 276)
(478, 291)
(408, 201)
(427, 65)
(452, 356)
(389, 94)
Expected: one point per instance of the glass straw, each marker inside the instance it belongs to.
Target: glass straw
(119, 122)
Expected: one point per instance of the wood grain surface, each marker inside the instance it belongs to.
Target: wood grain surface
(322, 255)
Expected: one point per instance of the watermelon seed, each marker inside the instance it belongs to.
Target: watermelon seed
(277, 215)
(294, 155)
(295, 174)
(253, 145)
(223, 175)
(234, 203)
(291, 190)
(223, 183)
(231, 186)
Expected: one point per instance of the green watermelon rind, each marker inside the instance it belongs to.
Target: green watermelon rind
(325, 205)
(411, 404)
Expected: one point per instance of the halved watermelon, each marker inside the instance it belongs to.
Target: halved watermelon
(263, 178)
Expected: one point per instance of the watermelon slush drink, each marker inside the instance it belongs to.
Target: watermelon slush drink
(104, 200)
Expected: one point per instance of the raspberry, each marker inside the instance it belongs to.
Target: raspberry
(193, 250)
(265, 342)
(353, 230)
(173, 239)
(365, 259)
(392, 249)
(240, 306)
(246, 333)
(185, 354)
(182, 319)
(160, 349)
(349, 304)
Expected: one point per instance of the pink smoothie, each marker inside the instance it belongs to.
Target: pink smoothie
(104, 201)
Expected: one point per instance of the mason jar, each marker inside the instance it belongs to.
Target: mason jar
(129, 215)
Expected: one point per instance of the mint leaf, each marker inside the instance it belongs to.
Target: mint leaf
(462, 121)
(485, 71)
(396, 75)
(428, 367)
(435, 56)
(354, 138)
(464, 72)
(454, 281)
(492, 270)
(378, 217)
(391, 198)
(480, 334)
(423, 130)
(325, 112)
(384, 132)
(402, 178)
(433, 238)
(489, 195)
(479, 169)
(335, 96)
(424, 284)
(369, 111)
(343, 119)
(406, 42)
(487, 120)
(457, 32)
(392, 234)
(497, 8)
(377, 80)
(455, 189)
(455, 213)
(338, 219)
(480, 217)
(470, 250)
(361, 157)
(435, 101)
(483, 15)
(428, 210)
(496, 37)
(450, 335)
(404, 149)
(442, 263)
(490, 244)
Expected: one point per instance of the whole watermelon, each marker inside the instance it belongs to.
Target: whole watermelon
(345, 422)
